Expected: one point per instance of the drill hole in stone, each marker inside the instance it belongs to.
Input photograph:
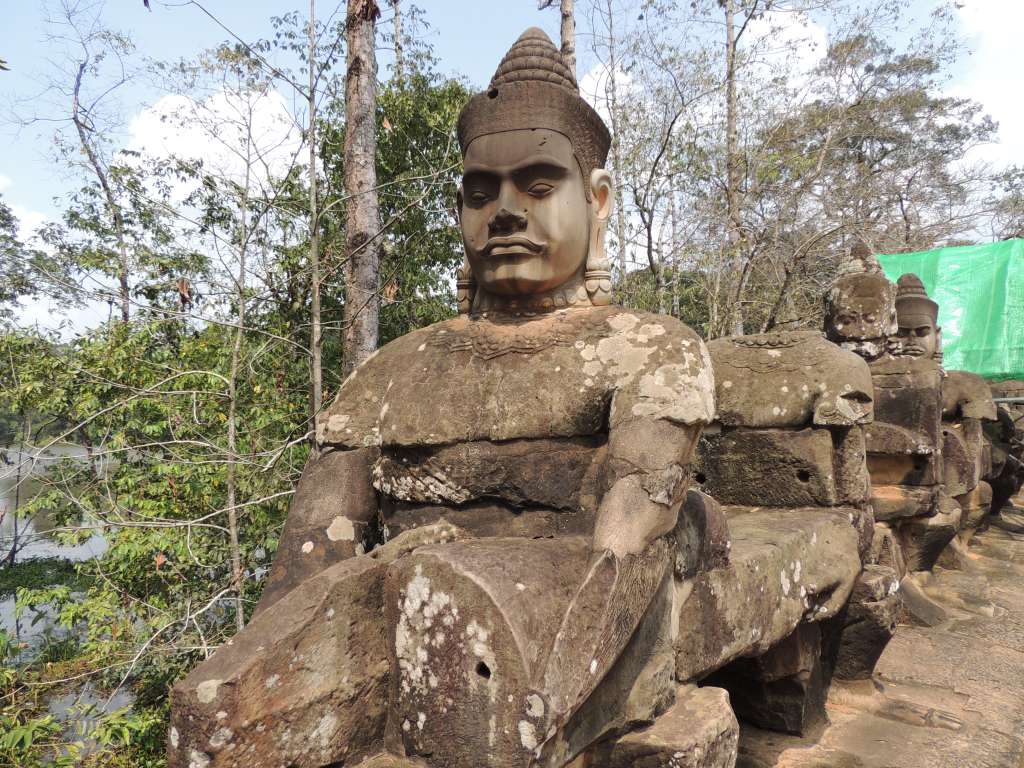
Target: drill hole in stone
(803, 476)
(483, 670)
(700, 478)
(493, 93)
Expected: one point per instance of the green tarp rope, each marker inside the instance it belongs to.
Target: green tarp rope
(980, 293)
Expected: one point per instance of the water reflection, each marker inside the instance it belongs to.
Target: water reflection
(21, 472)
(19, 483)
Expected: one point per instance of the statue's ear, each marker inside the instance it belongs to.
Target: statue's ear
(601, 189)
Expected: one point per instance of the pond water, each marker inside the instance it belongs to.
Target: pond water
(20, 470)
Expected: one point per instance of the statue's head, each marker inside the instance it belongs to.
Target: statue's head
(860, 310)
(535, 198)
(917, 316)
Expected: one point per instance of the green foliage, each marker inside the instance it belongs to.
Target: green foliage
(38, 573)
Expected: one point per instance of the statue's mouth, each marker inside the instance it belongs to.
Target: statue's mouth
(514, 245)
(913, 351)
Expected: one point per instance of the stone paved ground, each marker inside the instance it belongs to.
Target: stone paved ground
(945, 696)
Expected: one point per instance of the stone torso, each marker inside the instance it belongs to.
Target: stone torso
(566, 374)
(455, 406)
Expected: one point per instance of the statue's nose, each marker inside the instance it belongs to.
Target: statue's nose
(506, 222)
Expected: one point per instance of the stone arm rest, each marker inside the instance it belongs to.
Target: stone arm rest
(331, 514)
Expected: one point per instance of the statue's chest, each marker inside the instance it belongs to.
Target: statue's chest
(458, 396)
(463, 381)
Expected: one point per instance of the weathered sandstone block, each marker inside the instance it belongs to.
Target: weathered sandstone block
(472, 626)
(699, 731)
(769, 467)
(304, 685)
(328, 520)
(786, 567)
(923, 538)
(790, 379)
(868, 623)
(781, 690)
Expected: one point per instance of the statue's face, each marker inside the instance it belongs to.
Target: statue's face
(859, 319)
(524, 212)
(918, 337)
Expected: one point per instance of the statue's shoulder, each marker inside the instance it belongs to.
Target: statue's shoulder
(658, 366)
(662, 329)
(353, 419)
(655, 339)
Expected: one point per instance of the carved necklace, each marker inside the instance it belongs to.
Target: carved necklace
(491, 335)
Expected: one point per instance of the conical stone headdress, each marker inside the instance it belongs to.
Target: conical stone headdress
(912, 300)
(533, 88)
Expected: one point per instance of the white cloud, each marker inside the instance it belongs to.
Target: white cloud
(785, 41)
(28, 222)
(992, 29)
(215, 131)
(594, 87)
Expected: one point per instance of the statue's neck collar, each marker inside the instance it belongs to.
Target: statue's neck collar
(572, 293)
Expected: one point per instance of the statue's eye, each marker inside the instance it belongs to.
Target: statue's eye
(540, 188)
(478, 197)
(869, 318)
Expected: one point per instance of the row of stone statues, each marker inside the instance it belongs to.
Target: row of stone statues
(531, 531)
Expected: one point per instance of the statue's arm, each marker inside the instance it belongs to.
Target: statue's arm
(334, 505)
(646, 478)
(655, 422)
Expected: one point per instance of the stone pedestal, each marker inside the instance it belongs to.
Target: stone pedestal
(699, 731)
(781, 690)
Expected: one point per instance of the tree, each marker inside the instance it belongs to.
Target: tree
(316, 332)
(1008, 205)
(568, 30)
(362, 226)
(15, 280)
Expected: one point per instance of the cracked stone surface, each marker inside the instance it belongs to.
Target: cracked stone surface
(945, 695)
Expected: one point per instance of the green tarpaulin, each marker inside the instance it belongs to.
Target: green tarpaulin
(980, 292)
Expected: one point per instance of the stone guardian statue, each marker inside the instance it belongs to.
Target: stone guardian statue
(477, 569)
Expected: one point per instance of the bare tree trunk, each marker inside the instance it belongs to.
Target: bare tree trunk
(568, 31)
(232, 421)
(316, 332)
(399, 50)
(101, 175)
(26, 432)
(732, 160)
(362, 218)
(613, 112)
(673, 250)
(569, 35)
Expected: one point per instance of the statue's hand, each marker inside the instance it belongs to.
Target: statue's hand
(407, 541)
(638, 509)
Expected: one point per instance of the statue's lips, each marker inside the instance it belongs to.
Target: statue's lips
(515, 245)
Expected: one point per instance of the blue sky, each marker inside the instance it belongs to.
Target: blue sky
(469, 37)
